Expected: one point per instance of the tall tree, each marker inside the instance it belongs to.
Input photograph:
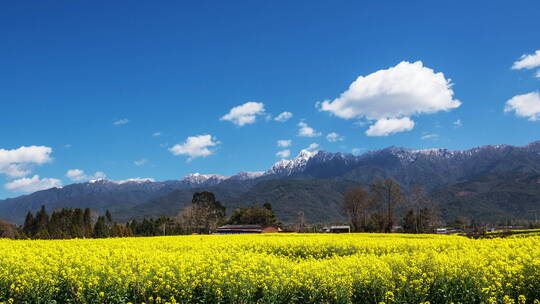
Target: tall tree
(356, 204)
(101, 230)
(87, 223)
(387, 194)
(253, 215)
(424, 209)
(29, 227)
(207, 211)
(42, 223)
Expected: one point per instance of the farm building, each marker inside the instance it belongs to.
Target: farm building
(245, 229)
(336, 229)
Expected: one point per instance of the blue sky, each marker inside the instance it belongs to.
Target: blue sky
(70, 69)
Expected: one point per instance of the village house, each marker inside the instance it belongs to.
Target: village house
(247, 229)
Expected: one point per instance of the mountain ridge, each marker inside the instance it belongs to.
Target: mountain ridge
(436, 169)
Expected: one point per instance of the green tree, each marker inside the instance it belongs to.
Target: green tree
(205, 212)
(253, 215)
(42, 223)
(101, 230)
(29, 227)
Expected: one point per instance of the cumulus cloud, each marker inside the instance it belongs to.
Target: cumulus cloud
(333, 137)
(429, 136)
(387, 126)
(18, 162)
(457, 123)
(121, 122)
(195, 146)
(78, 175)
(528, 61)
(306, 131)
(526, 105)
(284, 153)
(140, 162)
(32, 184)
(404, 90)
(244, 114)
(156, 134)
(312, 147)
(284, 143)
(283, 117)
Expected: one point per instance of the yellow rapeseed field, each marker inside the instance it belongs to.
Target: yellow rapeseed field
(284, 268)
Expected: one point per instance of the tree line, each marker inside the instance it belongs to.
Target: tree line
(373, 208)
(203, 216)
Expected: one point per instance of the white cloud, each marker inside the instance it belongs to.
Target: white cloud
(284, 116)
(526, 105)
(18, 162)
(156, 134)
(284, 143)
(312, 147)
(244, 114)
(404, 90)
(387, 126)
(307, 131)
(78, 175)
(333, 137)
(537, 74)
(195, 146)
(121, 122)
(32, 184)
(429, 136)
(457, 123)
(284, 153)
(140, 162)
(357, 150)
(528, 61)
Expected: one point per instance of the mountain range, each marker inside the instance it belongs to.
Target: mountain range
(490, 183)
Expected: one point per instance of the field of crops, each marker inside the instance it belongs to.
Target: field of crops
(285, 268)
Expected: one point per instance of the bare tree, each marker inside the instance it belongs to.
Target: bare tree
(424, 208)
(356, 205)
(386, 194)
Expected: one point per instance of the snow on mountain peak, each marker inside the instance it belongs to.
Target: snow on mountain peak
(246, 175)
(138, 180)
(198, 178)
(286, 166)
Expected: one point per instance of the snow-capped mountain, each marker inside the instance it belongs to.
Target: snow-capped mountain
(433, 168)
(288, 167)
(197, 179)
(245, 175)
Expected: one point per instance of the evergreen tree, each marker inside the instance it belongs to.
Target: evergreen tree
(29, 227)
(101, 230)
(87, 223)
(42, 223)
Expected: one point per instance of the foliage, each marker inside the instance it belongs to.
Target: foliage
(253, 215)
(295, 268)
(204, 214)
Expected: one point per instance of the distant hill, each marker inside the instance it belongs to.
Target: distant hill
(492, 183)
